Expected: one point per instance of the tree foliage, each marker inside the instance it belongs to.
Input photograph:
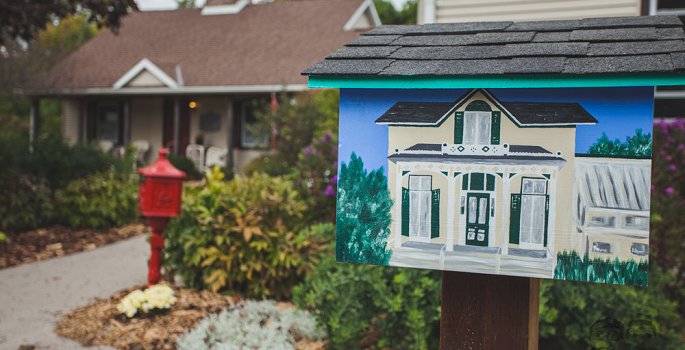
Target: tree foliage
(363, 215)
(24, 19)
(639, 145)
(389, 15)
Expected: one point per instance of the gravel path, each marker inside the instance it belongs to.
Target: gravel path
(32, 295)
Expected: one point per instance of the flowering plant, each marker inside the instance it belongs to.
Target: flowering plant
(157, 297)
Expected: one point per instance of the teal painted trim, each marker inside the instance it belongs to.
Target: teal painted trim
(445, 173)
(405, 172)
(498, 81)
(500, 175)
(548, 176)
(456, 174)
(512, 175)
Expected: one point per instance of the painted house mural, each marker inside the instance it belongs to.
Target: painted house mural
(503, 186)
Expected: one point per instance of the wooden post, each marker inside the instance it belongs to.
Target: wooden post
(177, 126)
(492, 312)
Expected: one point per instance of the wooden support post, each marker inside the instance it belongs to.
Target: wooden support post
(230, 124)
(492, 312)
(127, 122)
(177, 126)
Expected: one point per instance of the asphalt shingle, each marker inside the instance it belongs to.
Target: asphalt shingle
(459, 28)
(535, 65)
(546, 26)
(348, 67)
(618, 64)
(635, 48)
(670, 33)
(545, 37)
(435, 40)
(500, 38)
(428, 113)
(389, 29)
(546, 49)
(446, 52)
(373, 40)
(472, 67)
(632, 21)
(621, 34)
(364, 52)
(678, 60)
(413, 67)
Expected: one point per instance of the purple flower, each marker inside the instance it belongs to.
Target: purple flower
(326, 140)
(334, 179)
(662, 152)
(672, 167)
(327, 134)
(668, 158)
(335, 148)
(298, 182)
(308, 151)
(681, 146)
(329, 191)
(670, 190)
(653, 187)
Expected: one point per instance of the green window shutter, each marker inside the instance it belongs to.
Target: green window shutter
(515, 219)
(494, 127)
(405, 211)
(458, 127)
(546, 217)
(435, 213)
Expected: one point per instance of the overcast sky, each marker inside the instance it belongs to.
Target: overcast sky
(150, 5)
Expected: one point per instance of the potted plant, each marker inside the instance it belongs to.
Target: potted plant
(200, 138)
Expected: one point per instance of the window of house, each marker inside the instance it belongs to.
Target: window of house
(603, 221)
(250, 137)
(108, 122)
(533, 186)
(601, 247)
(640, 249)
(477, 128)
(637, 222)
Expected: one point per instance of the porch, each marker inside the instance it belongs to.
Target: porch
(517, 262)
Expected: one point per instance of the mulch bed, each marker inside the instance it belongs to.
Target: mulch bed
(50, 242)
(100, 323)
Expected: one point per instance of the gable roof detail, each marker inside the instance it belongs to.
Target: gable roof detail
(365, 10)
(523, 114)
(588, 46)
(146, 65)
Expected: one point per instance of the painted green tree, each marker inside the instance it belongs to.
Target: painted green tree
(639, 145)
(363, 215)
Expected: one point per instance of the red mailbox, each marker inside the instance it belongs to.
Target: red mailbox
(159, 198)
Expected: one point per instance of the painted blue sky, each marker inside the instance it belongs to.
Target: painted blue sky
(620, 111)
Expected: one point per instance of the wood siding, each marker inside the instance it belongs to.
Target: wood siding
(528, 10)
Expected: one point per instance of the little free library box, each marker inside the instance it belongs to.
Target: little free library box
(490, 147)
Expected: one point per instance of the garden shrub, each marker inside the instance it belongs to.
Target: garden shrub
(25, 201)
(316, 175)
(185, 165)
(269, 163)
(363, 215)
(246, 235)
(572, 267)
(251, 325)
(100, 200)
(403, 305)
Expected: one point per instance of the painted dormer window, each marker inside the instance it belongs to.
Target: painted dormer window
(477, 125)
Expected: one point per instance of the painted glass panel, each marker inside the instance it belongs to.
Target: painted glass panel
(473, 205)
(477, 127)
(532, 219)
(484, 124)
(483, 210)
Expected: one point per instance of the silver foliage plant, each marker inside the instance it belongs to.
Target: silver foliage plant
(251, 325)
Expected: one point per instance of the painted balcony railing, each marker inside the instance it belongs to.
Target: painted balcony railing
(475, 150)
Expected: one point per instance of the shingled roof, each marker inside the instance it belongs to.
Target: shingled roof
(264, 44)
(587, 46)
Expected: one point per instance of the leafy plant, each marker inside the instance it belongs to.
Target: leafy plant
(401, 305)
(246, 235)
(100, 200)
(363, 215)
(251, 325)
(185, 165)
(316, 175)
(570, 266)
(25, 201)
(638, 145)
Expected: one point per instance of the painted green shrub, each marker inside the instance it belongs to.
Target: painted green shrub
(401, 306)
(570, 266)
(363, 215)
(639, 145)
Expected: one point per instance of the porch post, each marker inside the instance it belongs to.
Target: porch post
(398, 206)
(35, 120)
(506, 199)
(177, 125)
(230, 121)
(551, 225)
(127, 122)
(81, 119)
(451, 210)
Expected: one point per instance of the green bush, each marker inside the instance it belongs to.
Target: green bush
(246, 235)
(572, 267)
(252, 325)
(270, 164)
(100, 200)
(185, 165)
(403, 305)
(25, 201)
(363, 215)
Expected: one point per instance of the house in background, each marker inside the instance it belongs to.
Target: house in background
(170, 75)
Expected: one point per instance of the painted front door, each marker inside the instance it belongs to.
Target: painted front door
(420, 208)
(477, 219)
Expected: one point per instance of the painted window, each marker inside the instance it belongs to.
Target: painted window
(601, 247)
(477, 128)
(639, 249)
(249, 136)
(529, 214)
(637, 222)
(108, 121)
(420, 204)
(477, 125)
(603, 221)
(478, 182)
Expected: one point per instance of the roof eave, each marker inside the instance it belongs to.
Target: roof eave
(498, 81)
(181, 90)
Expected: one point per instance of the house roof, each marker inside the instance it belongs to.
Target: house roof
(521, 113)
(614, 185)
(577, 47)
(264, 44)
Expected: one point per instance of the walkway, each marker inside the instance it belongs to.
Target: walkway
(31, 294)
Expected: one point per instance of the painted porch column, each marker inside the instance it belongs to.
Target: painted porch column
(451, 210)
(506, 205)
(177, 125)
(127, 122)
(398, 206)
(229, 133)
(35, 121)
(551, 225)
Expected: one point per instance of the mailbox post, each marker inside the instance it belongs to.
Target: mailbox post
(159, 198)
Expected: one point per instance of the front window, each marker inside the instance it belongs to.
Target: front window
(477, 128)
(250, 136)
(108, 121)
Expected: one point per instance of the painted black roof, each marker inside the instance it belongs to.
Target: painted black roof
(428, 113)
(593, 45)
(425, 147)
(552, 113)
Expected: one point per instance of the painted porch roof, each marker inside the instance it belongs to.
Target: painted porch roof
(465, 53)
(614, 185)
(263, 45)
